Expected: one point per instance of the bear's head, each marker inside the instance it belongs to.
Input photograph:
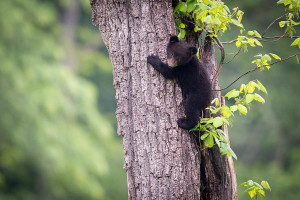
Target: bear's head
(179, 52)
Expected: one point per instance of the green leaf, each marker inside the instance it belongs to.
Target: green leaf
(250, 33)
(244, 184)
(217, 141)
(197, 28)
(226, 111)
(258, 186)
(238, 24)
(282, 1)
(257, 42)
(228, 93)
(231, 152)
(182, 6)
(266, 57)
(239, 15)
(251, 87)
(204, 136)
(220, 132)
(266, 185)
(251, 193)
(243, 86)
(223, 148)
(250, 183)
(182, 25)
(191, 5)
(217, 122)
(249, 98)
(209, 142)
(226, 121)
(261, 87)
(296, 42)
(242, 109)
(208, 19)
(234, 94)
(233, 108)
(259, 98)
(181, 34)
(214, 111)
(227, 9)
(261, 192)
(275, 56)
(257, 34)
(216, 101)
(283, 23)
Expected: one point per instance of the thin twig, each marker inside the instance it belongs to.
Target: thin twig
(256, 68)
(234, 56)
(262, 39)
(252, 70)
(229, 42)
(272, 24)
(221, 61)
(285, 36)
(285, 59)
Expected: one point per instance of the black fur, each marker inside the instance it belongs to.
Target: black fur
(192, 78)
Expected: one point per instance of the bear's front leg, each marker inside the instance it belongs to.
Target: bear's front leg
(163, 68)
(154, 61)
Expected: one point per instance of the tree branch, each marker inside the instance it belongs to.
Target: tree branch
(234, 56)
(272, 24)
(256, 68)
(261, 39)
(221, 61)
(285, 59)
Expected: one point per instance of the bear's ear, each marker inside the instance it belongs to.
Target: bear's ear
(193, 50)
(173, 39)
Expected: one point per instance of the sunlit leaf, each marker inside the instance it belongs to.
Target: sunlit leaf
(191, 5)
(261, 192)
(209, 141)
(261, 87)
(217, 122)
(249, 98)
(296, 42)
(242, 109)
(275, 56)
(259, 98)
(266, 185)
(204, 136)
(233, 108)
(216, 101)
(232, 152)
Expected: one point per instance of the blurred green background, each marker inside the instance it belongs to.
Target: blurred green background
(58, 129)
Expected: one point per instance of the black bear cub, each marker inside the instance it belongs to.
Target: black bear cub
(192, 77)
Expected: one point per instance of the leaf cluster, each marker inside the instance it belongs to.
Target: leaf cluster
(256, 190)
(293, 8)
(264, 60)
(221, 115)
(210, 15)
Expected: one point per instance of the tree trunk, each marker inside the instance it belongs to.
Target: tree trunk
(160, 159)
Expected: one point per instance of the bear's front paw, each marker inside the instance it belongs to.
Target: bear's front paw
(153, 60)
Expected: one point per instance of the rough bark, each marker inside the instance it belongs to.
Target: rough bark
(160, 159)
(218, 179)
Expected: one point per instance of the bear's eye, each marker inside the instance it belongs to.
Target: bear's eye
(170, 55)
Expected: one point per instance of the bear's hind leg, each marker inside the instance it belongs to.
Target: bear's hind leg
(192, 118)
